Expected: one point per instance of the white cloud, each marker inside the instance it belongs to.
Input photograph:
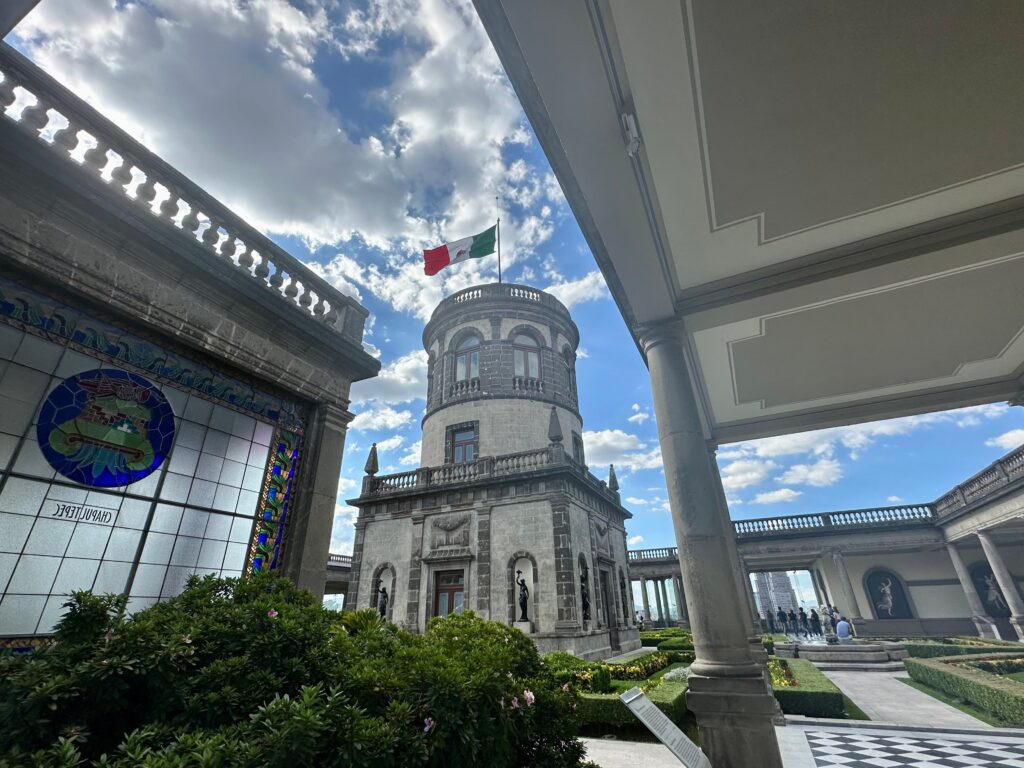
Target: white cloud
(634, 540)
(590, 287)
(822, 473)
(613, 446)
(390, 444)
(640, 415)
(894, 499)
(412, 455)
(775, 497)
(744, 473)
(634, 501)
(401, 380)
(346, 484)
(227, 92)
(380, 417)
(1008, 440)
(343, 532)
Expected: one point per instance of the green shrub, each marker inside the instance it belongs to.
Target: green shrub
(597, 709)
(999, 666)
(1002, 697)
(925, 650)
(641, 667)
(257, 673)
(680, 644)
(650, 638)
(583, 675)
(813, 694)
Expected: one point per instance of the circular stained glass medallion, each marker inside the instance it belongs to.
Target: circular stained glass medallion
(105, 428)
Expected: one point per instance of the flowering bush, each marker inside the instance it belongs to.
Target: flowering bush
(257, 673)
(782, 676)
(641, 667)
(582, 675)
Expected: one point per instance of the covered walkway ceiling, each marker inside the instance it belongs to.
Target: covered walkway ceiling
(829, 195)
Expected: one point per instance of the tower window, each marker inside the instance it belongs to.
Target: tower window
(577, 448)
(467, 359)
(526, 356)
(463, 443)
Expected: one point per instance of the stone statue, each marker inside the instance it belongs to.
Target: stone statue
(585, 595)
(382, 602)
(994, 595)
(885, 604)
(524, 596)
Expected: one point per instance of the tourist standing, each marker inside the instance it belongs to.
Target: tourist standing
(791, 623)
(804, 627)
(815, 623)
(780, 616)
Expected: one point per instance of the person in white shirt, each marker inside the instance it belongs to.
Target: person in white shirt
(844, 631)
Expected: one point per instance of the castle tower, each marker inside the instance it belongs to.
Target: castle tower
(503, 506)
(498, 361)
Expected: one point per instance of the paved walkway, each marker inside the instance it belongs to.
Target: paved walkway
(613, 753)
(887, 700)
(631, 655)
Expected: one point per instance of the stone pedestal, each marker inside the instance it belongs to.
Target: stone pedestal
(735, 719)
(526, 627)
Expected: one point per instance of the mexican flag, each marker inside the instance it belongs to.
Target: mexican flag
(436, 259)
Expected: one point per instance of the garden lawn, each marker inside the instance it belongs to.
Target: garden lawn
(805, 690)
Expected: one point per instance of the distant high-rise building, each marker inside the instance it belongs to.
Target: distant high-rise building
(774, 590)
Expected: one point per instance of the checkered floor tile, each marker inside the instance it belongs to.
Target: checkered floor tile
(834, 749)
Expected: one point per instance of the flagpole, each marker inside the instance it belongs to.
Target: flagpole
(496, 205)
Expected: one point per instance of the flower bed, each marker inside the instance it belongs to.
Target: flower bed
(802, 689)
(651, 638)
(1000, 696)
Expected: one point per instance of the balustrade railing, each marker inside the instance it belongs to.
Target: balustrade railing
(464, 387)
(43, 108)
(521, 462)
(500, 291)
(999, 474)
(526, 384)
(339, 561)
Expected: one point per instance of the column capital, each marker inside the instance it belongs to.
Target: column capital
(658, 332)
(335, 416)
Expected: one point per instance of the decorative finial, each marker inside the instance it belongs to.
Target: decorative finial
(554, 428)
(613, 481)
(371, 462)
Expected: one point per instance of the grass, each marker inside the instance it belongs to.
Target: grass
(1018, 676)
(851, 711)
(965, 707)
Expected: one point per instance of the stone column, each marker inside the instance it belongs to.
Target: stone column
(309, 540)
(665, 602)
(986, 627)
(851, 610)
(645, 598)
(677, 582)
(1006, 582)
(727, 693)
(658, 603)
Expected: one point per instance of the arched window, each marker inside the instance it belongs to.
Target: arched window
(467, 359)
(526, 356)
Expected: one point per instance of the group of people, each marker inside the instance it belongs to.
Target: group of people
(830, 621)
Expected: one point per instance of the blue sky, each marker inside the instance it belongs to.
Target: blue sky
(357, 133)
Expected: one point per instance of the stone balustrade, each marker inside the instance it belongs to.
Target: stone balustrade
(1001, 473)
(339, 561)
(484, 468)
(501, 291)
(43, 108)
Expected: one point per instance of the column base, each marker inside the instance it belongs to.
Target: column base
(1017, 622)
(760, 657)
(734, 717)
(986, 627)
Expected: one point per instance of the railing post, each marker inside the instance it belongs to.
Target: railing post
(422, 477)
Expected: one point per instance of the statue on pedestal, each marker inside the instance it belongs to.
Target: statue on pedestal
(382, 602)
(524, 596)
(585, 595)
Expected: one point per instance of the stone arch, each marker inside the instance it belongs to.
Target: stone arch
(887, 594)
(513, 590)
(461, 335)
(380, 574)
(988, 590)
(586, 590)
(528, 330)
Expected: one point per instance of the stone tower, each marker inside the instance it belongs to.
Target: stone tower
(503, 506)
(498, 361)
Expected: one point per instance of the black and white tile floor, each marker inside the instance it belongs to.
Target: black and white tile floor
(857, 749)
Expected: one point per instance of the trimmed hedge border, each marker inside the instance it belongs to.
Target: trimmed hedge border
(814, 694)
(607, 709)
(937, 650)
(680, 644)
(1001, 697)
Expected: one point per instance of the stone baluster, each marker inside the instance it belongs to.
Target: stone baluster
(96, 158)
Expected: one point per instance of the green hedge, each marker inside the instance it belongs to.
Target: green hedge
(935, 650)
(814, 694)
(680, 644)
(607, 710)
(1000, 696)
(650, 638)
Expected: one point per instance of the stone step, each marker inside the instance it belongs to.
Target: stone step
(862, 666)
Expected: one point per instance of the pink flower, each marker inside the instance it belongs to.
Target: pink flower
(271, 614)
(565, 687)
(428, 725)
(109, 636)
(529, 697)
(515, 703)
(456, 637)
(186, 639)
(509, 675)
